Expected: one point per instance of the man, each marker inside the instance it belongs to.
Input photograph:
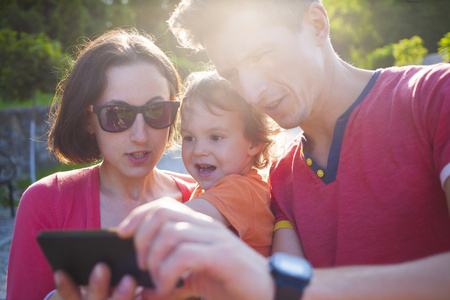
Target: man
(368, 181)
(364, 194)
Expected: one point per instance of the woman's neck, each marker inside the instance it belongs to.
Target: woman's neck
(119, 195)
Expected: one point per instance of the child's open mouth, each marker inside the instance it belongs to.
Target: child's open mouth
(205, 169)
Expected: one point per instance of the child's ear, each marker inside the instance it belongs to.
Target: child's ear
(254, 148)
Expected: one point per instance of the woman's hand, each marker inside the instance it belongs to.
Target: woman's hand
(98, 287)
(172, 242)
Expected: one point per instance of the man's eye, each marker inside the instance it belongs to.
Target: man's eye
(258, 57)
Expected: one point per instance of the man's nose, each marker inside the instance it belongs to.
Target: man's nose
(251, 86)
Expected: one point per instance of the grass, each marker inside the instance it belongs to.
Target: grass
(42, 99)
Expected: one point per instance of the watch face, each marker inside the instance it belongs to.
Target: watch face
(292, 265)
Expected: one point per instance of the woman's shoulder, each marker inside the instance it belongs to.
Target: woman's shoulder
(63, 181)
(186, 178)
(185, 183)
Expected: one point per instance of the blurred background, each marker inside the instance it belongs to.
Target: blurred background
(38, 40)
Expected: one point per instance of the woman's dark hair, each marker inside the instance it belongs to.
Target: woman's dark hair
(212, 91)
(68, 139)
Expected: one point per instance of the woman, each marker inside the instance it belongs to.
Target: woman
(117, 105)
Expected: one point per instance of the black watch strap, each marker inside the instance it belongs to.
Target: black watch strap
(291, 274)
(287, 293)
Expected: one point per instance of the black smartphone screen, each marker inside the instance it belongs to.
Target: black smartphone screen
(77, 252)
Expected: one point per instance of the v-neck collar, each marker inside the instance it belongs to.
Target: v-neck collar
(328, 175)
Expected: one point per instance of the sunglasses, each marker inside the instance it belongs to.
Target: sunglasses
(118, 118)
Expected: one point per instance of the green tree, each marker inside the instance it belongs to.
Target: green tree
(405, 52)
(65, 21)
(29, 63)
(409, 51)
(444, 47)
(358, 27)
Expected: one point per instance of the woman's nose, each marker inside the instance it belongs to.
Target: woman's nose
(139, 129)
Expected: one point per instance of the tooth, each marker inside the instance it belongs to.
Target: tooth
(138, 154)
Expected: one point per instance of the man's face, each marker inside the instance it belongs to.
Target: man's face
(276, 69)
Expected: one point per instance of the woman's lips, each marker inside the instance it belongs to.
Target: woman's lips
(138, 157)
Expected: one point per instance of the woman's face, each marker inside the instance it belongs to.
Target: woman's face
(134, 152)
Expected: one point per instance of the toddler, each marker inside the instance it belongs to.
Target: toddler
(224, 141)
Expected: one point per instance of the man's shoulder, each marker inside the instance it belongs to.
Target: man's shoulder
(292, 150)
(417, 71)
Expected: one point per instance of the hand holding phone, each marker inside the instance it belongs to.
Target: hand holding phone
(78, 251)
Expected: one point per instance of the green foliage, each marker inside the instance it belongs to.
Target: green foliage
(405, 52)
(352, 32)
(39, 99)
(379, 58)
(21, 184)
(4, 197)
(358, 27)
(409, 51)
(444, 47)
(28, 64)
(65, 21)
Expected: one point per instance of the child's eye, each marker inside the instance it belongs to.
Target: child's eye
(188, 138)
(216, 137)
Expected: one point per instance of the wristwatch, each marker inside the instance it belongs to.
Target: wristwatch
(291, 273)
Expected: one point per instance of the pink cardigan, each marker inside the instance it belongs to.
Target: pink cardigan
(66, 200)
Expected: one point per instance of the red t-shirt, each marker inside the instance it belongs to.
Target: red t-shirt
(380, 199)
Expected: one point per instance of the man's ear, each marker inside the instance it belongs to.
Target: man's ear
(317, 17)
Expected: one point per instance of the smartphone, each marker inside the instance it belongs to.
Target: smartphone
(78, 251)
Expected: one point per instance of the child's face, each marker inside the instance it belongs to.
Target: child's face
(214, 144)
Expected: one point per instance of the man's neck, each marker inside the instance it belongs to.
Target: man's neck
(346, 83)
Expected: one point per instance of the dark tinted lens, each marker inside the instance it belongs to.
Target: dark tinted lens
(116, 118)
(159, 115)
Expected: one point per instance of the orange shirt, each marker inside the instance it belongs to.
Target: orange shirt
(245, 201)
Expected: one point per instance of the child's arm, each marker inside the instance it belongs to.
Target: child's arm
(286, 240)
(205, 207)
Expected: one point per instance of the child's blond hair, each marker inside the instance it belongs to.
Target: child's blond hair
(211, 90)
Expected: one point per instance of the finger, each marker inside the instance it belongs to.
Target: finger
(152, 224)
(212, 270)
(66, 287)
(99, 281)
(154, 295)
(185, 261)
(129, 225)
(126, 288)
(172, 236)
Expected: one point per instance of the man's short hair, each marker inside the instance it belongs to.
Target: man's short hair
(193, 20)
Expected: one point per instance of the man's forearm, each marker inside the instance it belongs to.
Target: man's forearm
(427, 278)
